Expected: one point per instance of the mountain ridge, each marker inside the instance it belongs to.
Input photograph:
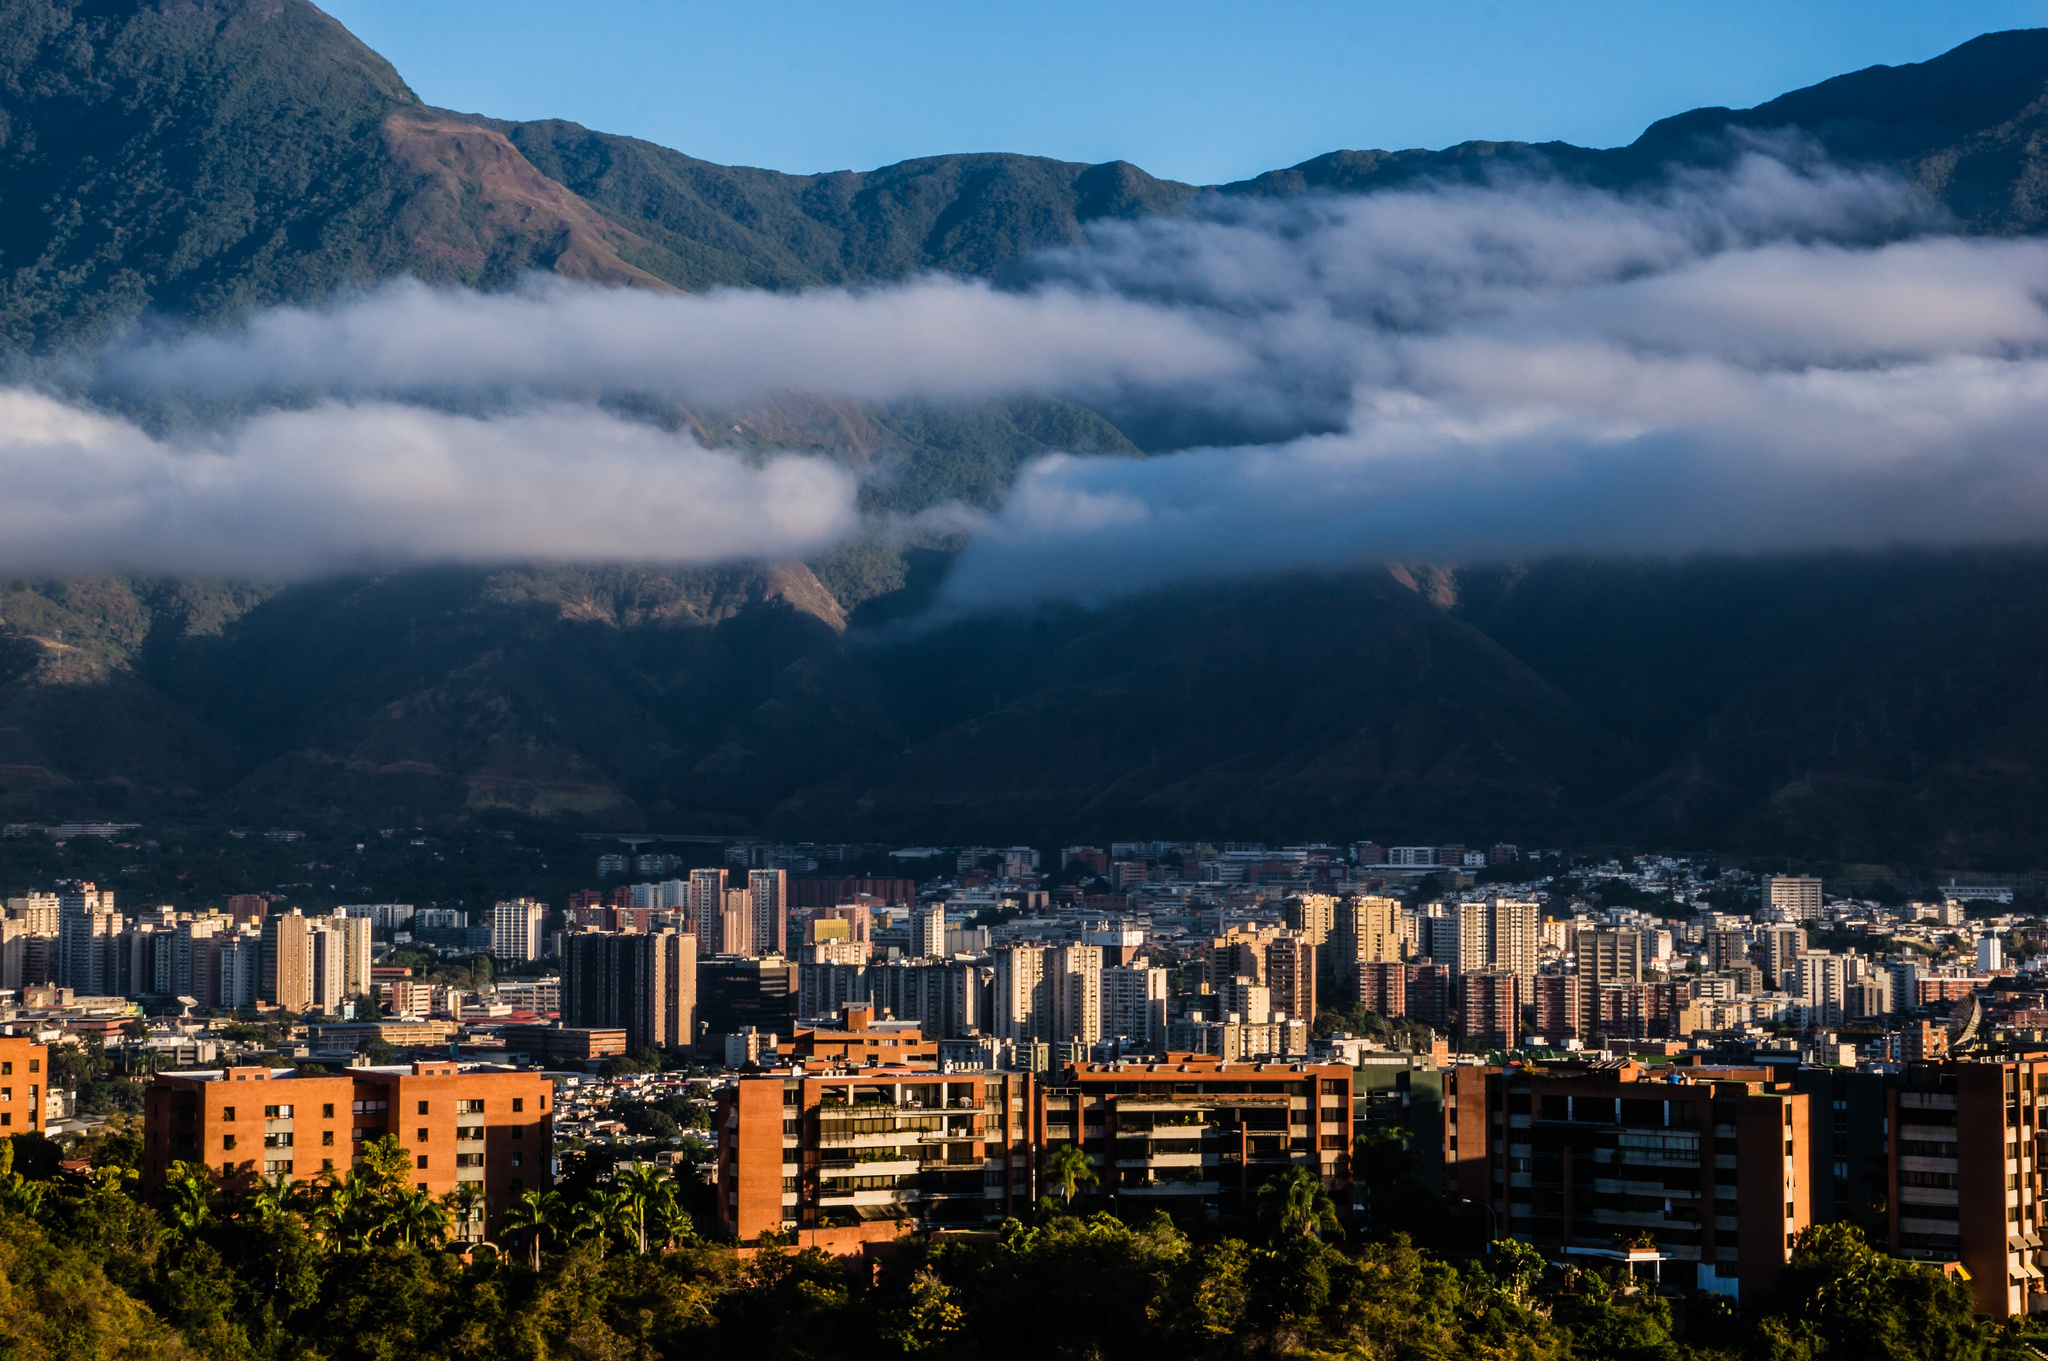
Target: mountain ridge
(284, 120)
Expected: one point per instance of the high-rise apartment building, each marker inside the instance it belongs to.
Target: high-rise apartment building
(1290, 975)
(1244, 1000)
(1782, 947)
(326, 968)
(1559, 1000)
(1364, 928)
(1023, 1005)
(707, 907)
(1489, 1009)
(287, 955)
(1604, 955)
(641, 982)
(457, 1123)
(1134, 1005)
(769, 892)
(927, 931)
(1568, 1155)
(1382, 988)
(1074, 973)
(251, 908)
(1726, 949)
(87, 951)
(945, 997)
(235, 961)
(1496, 933)
(1964, 1174)
(516, 929)
(1798, 896)
(1311, 915)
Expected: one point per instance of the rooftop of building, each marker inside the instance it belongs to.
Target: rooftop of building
(388, 1070)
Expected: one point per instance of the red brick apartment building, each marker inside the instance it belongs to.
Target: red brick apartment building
(1200, 1133)
(1717, 1168)
(937, 1149)
(493, 1126)
(23, 1065)
(1964, 1175)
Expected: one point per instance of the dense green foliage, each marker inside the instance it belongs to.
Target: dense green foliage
(349, 1270)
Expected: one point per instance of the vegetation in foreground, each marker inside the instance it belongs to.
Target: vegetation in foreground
(360, 1268)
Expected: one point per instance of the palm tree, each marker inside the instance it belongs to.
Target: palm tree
(351, 1212)
(1295, 1204)
(602, 1213)
(671, 1220)
(465, 1206)
(1068, 1169)
(416, 1216)
(191, 1191)
(642, 1185)
(535, 1213)
(272, 1197)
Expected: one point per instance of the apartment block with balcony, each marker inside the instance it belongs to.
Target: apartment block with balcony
(1711, 1165)
(1198, 1133)
(459, 1123)
(839, 1147)
(1965, 1178)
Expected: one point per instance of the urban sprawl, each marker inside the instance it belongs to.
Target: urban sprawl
(1653, 1061)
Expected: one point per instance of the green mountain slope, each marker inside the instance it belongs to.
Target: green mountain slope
(202, 158)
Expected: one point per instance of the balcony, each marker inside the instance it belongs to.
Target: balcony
(1171, 1188)
(901, 1168)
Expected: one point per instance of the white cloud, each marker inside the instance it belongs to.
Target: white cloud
(935, 337)
(371, 485)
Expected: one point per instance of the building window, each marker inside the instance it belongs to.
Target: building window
(227, 1141)
(327, 1164)
(327, 1138)
(518, 1104)
(423, 1136)
(35, 1065)
(5, 1118)
(518, 1132)
(517, 1185)
(7, 1069)
(469, 1108)
(227, 1112)
(277, 1112)
(423, 1108)
(423, 1162)
(327, 1111)
(518, 1160)
(469, 1160)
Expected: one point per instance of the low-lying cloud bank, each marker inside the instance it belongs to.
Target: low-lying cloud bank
(1786, 354)
(347, 487)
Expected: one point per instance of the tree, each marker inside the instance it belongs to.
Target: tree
(642, 1186)
(1068, 1169)
(602, 1213)
(273, 1196)
(190, 1197)
(417, 1219)
(465, 1206)
(1295, 1205)
(536, 1214)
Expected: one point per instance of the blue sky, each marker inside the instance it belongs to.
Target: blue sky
(1192, 90)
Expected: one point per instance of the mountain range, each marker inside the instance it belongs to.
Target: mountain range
(196, 159)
